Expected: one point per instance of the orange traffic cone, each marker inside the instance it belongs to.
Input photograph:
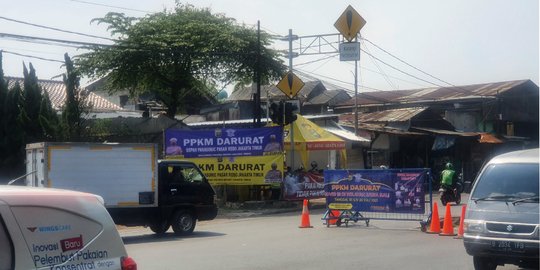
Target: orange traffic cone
(460, 229)
(435, 226)
(305, 216)
(448, 226)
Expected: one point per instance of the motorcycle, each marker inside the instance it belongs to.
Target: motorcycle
(452, 194)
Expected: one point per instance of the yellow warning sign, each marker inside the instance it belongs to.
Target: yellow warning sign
(349, 23)
(290, 84)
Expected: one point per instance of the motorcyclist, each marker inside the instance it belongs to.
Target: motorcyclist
(447, 176)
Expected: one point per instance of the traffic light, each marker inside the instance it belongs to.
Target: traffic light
(290, 116)
(276, 113)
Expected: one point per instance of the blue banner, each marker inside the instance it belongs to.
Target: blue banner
(226, 142)
(391, 191)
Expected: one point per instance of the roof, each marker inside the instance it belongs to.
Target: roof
(271, 92)
(345, 134)
(325, 97)
(438, 93)
(57, 94)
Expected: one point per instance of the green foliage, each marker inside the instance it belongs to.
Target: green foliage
(72, 122)
(174, 54)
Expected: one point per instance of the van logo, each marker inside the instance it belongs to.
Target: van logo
(71, 243)
(32, 229)
(509, 228)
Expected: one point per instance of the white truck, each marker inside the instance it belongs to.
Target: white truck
(138, 189)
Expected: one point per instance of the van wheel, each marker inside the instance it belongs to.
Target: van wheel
(484, 263)
(183, 222)
(160, 226)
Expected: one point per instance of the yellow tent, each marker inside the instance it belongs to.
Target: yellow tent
(308, 137)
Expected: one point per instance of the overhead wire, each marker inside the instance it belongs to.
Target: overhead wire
(117, 7)
(54, 28)
(32, 56)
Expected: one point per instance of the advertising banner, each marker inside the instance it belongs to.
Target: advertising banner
(393, 191)
(259, 170)
(303, 185)
(226, 142)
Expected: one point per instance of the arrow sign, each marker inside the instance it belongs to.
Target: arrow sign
(290, 84)
(349, 23)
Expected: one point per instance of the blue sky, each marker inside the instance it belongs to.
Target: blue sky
(459, 41)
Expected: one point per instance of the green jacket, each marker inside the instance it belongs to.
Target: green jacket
(447, 177)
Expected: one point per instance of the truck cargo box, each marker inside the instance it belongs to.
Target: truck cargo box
(125, 175)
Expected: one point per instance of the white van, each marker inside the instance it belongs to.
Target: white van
(502, 217)
(42, 228)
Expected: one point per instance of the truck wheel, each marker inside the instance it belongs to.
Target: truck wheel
(160, 226)
(183, 222)
(484, 263)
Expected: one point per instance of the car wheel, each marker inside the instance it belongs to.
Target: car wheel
(484, 263)
(183, 222)
(160, 226)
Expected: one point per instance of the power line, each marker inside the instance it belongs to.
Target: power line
(53, 28)
(62, 41)
(385, 76)
(31, 56)
(402, 61)
(117, 7)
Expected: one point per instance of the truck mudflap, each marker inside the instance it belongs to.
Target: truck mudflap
(207, 212)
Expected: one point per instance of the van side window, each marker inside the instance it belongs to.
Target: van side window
(6, 247)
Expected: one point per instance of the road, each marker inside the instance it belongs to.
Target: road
(276, 242)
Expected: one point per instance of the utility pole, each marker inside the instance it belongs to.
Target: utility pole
(291, 38)
(257, 95)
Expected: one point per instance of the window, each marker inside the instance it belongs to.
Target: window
(192, 175)
(6, 248)
(514, 180)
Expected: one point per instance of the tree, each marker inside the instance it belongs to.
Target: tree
(75, 104)
(175, 54)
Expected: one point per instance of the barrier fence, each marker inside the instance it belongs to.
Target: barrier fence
(389, 194)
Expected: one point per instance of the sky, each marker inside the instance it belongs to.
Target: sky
(405, 44)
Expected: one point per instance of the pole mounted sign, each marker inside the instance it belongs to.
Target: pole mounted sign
(349, 23)
(290, 84)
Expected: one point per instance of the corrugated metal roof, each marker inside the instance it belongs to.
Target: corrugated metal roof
(345, 134)
(437, 93)
(57, 94)
(395, 115)
(325, 97)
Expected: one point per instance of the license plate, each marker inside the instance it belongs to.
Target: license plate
(508, 246)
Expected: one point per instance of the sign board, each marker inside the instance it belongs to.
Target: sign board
(349, 23)
(349, 51)
(391, 191)
(290, 84)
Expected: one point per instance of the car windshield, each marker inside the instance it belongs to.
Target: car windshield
(508, 182)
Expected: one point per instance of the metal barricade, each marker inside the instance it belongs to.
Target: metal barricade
(338, 217)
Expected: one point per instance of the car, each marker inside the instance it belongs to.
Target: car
(46, 228)
(501, 224)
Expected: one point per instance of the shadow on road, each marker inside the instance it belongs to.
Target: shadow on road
(167, 237)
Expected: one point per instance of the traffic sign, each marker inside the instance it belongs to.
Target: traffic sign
(349, 23)
(290, 84)
(349, 51)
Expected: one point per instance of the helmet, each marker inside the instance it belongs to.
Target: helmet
(449, 166)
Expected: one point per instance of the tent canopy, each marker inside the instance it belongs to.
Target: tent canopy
(308, 136)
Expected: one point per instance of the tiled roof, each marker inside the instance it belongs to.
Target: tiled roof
(57, 95)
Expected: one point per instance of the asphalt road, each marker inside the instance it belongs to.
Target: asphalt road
(276, 242)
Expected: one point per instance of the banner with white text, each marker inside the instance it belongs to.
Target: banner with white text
(392, 191)
(223, 142)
